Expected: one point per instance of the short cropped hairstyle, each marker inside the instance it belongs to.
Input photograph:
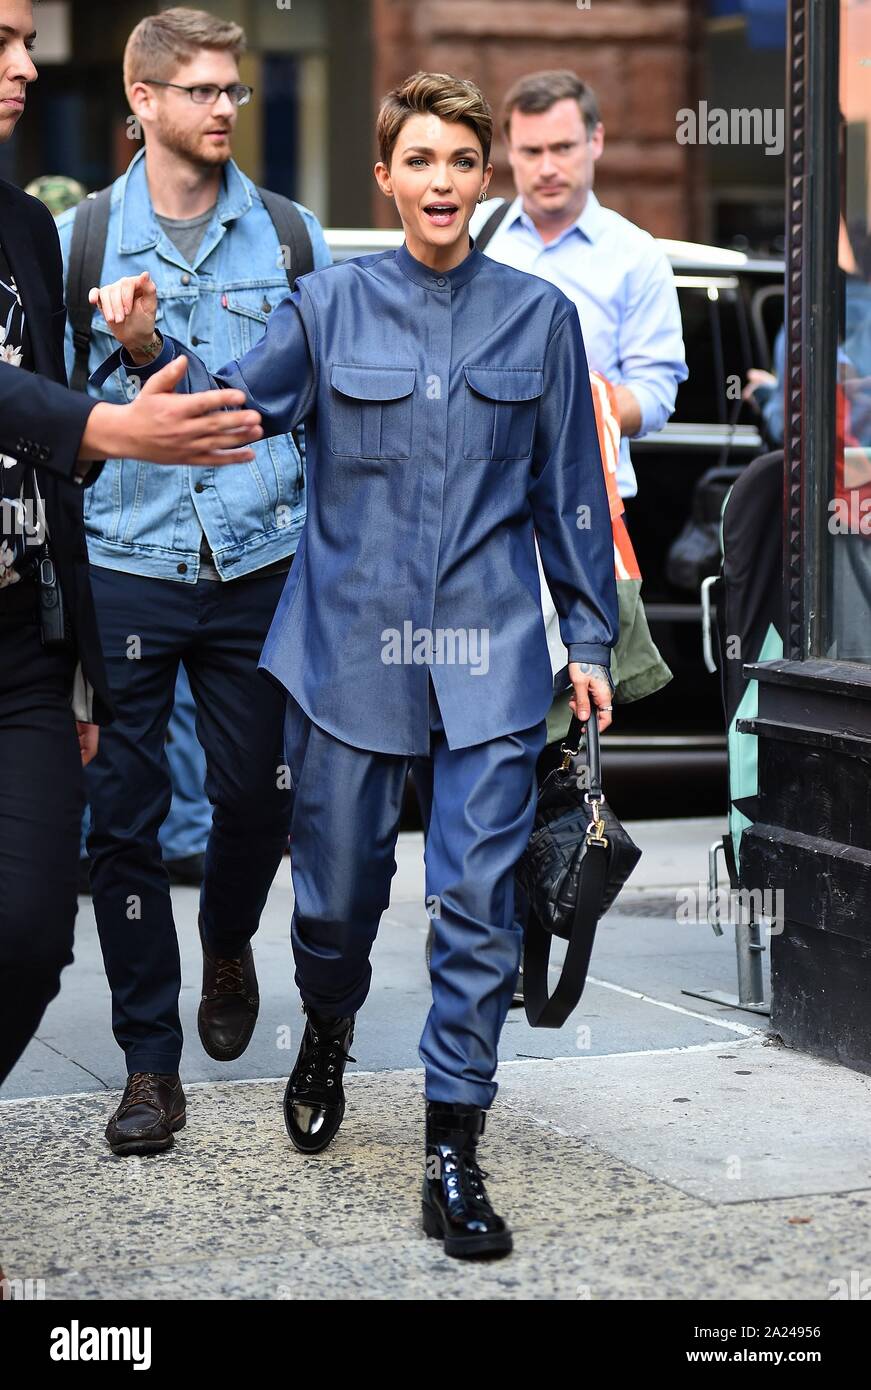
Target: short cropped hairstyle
(539, 91)
(437, 94)
(162, 43)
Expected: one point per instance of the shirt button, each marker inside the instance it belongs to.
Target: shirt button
(441, 281)
(200, 487)
(185, 279)
(182, 569)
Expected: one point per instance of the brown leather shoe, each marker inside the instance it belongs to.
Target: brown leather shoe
(230, 1003)
(152, 1108)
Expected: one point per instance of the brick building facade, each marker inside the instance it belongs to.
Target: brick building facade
(640, 56)
(320, 67)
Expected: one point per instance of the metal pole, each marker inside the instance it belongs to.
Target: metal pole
(749, 949)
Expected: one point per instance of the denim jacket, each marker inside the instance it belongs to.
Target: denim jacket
(149, 520)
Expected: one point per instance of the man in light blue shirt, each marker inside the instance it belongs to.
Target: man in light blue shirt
(615, 274)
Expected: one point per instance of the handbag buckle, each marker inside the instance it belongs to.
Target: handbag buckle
(568, 754)
(597, 826)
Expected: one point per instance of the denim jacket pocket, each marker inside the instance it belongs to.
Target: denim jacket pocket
(500, 412)
(371, 411)
(248, 313)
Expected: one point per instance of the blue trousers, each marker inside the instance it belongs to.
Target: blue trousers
(217, 630)
(479, 807)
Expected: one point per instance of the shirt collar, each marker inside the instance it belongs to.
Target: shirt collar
(589, 224)
(140, 230)
(430, 279)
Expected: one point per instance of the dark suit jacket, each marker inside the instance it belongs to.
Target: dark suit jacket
(43, 421)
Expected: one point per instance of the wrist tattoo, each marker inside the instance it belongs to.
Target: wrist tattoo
(590, 668)
(152, 348)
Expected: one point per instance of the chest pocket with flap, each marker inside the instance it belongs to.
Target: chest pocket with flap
(371, 411)
(500, 413)
(248, 313)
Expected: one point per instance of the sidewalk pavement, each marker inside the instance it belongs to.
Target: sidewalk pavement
(658, 1146)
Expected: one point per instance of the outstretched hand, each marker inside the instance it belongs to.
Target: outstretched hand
(207, 429)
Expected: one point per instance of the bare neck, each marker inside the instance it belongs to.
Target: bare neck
(178, 188)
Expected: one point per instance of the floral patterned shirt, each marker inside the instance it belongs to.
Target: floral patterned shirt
(19, 552)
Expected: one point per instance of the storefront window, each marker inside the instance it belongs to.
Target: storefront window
(845, 618)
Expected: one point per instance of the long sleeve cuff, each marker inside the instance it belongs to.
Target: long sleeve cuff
(654, 413)
(121, 359)
(599, 654)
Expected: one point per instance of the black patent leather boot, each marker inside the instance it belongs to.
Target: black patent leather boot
(314, 1101)
(456, 1208)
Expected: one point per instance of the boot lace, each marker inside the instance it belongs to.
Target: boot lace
(318, 1067)
(464, 1181)
(228, 978)
(141, 1089)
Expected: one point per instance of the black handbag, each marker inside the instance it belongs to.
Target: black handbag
(578, 858)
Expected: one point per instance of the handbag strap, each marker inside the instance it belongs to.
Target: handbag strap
(572, 745)
(551, 1011)
(488, 227)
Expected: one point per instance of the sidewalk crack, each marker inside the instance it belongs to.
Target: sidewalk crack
(72, 1060)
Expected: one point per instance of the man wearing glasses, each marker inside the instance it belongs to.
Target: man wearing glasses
(188, 568)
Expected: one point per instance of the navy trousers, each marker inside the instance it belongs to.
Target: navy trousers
(147, 627)
(186, 828)
(479, 807)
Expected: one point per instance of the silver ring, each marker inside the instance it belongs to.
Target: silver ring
(606, 709)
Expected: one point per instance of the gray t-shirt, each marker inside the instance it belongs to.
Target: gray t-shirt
(187, 232)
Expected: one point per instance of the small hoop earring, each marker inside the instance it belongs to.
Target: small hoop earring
(483, 195)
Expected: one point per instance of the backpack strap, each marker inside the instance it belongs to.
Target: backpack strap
(87, 252)
(291, 232)
(494, 221)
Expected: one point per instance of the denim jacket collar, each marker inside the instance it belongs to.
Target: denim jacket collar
(430, 279)
(140, 230)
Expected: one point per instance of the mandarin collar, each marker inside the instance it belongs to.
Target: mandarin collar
(430, 279)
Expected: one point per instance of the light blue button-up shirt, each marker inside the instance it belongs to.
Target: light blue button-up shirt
(622, 286)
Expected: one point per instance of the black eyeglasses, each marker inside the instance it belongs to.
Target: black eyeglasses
(207, 94)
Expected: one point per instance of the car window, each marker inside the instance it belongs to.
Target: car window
(766, 312)
(717, 343)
